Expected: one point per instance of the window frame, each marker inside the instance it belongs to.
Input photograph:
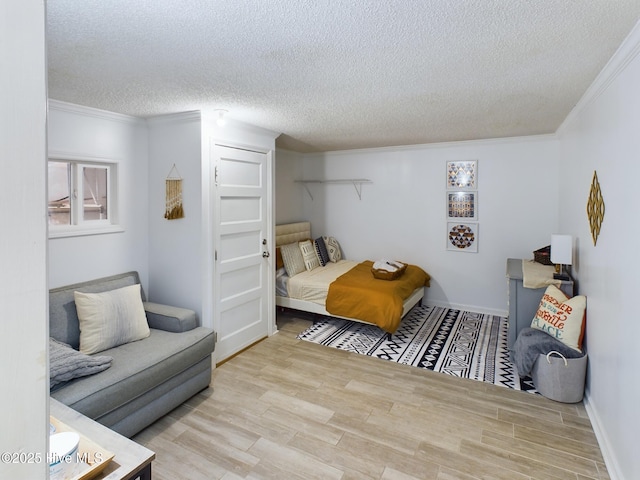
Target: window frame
(78, 226)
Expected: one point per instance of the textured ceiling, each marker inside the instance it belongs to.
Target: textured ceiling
(338, 74)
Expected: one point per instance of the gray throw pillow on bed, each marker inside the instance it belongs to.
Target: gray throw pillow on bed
(66, 363)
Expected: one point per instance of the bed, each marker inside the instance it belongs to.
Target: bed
(344, 288)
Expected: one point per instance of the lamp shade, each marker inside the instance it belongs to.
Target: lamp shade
(562, 249)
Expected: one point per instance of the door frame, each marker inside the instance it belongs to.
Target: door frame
(209, 245)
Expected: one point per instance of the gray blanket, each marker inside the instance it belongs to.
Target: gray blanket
(65, 363)
(532, 342)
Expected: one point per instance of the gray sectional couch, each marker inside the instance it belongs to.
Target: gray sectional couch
(147, 378)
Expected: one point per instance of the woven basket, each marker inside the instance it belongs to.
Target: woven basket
(560, 379)
(543, 255)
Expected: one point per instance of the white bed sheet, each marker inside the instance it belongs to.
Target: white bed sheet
(282, 283)
(313, 286)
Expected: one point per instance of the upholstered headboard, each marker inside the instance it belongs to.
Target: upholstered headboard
(292, 232)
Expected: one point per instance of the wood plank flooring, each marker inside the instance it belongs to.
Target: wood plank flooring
(289, 409)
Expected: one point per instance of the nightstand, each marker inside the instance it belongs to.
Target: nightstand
(523, 302)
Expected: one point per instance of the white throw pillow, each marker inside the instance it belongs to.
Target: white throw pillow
(109, 319)
(333, 249)
(309, 255)
(293, 259)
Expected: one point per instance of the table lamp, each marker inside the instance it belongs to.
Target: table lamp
(561, 254)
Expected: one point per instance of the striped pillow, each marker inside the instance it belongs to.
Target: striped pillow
(292, 259)
(321, 251)
(111, 318)
(309, 255)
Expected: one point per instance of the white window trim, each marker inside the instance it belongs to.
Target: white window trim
(78, 231)
(79, 195)
(81, 227)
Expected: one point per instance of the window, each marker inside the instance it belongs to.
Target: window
(82, 198)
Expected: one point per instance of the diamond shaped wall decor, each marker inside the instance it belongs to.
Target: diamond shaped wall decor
(595, 208)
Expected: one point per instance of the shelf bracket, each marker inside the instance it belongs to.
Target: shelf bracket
(358, 187)
(307, 189)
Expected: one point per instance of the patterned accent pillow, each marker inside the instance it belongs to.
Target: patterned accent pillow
(309, 255)
(321, 251)
(561, 317)
(292, 259)
(333, 249)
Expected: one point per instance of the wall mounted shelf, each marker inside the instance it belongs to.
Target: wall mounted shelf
(356, 182)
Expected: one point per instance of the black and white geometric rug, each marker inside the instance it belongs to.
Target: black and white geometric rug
(446, 340)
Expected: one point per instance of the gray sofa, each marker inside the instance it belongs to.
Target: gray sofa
(147, 378)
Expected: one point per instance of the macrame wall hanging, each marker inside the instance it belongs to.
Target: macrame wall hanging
(173, 185)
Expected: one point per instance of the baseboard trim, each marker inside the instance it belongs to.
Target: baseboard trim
(603, 441)
(466, 308)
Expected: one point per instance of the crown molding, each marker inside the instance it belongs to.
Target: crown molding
(239, 125)
(626, 53)
(181, 117)
(440, 145)
(92, 112)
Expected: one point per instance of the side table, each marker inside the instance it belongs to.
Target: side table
(131, 459)
(523, 302)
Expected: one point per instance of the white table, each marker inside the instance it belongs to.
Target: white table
(131, 459)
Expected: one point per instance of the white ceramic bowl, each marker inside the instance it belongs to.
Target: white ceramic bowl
(63, 450)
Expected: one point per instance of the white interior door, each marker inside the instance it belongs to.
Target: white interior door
(241, 249)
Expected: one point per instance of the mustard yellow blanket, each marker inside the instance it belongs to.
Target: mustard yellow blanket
(358, 295)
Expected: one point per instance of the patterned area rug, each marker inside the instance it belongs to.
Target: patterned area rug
(453, 342)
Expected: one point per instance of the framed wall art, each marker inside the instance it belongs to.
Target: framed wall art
(462, 236)
(462, 205)
(462, 175)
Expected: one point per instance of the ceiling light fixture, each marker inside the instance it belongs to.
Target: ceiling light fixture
(221, 121)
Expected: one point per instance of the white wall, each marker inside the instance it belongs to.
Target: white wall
(175, 262)
(288, 204)
(602, 135)
(86, 132)
(23, 246)
(402, 214)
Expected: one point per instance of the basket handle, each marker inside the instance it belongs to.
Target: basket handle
(559, 354)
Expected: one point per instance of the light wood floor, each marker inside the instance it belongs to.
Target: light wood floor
(289, 409)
